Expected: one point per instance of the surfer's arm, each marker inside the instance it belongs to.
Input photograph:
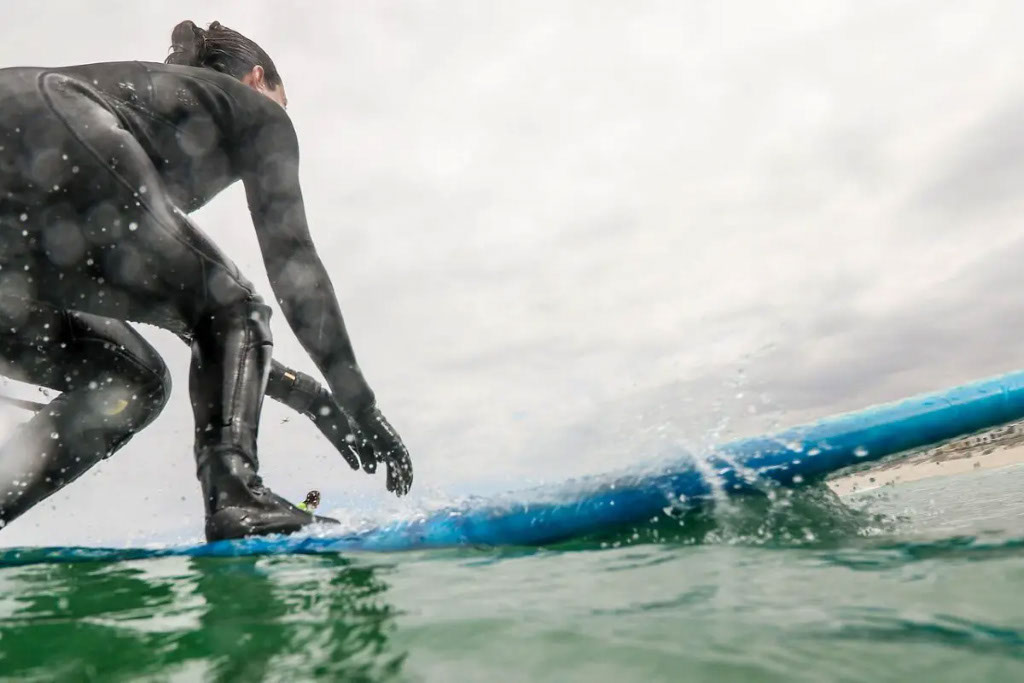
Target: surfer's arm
(270, 172)
(299, 279)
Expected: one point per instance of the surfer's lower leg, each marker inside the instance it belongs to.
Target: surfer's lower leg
(113, 382)
(231, 356)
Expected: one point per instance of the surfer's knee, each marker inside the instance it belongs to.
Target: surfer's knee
(151, 377)
(249, 315)
(116, 404)
(133, 376)
(141, 396)
(231, 303)
(156, 390)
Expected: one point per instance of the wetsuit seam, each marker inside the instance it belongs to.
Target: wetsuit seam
(117, 176)
(197, 75)
(145, 111)
(236, 389)
(214, 84)
(139, 109)
(123, 182)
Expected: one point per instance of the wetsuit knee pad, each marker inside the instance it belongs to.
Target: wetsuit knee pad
(118, 350)
(259, 316)
(250, 315)
(157, 391)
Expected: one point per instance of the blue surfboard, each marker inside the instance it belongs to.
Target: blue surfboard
(552, 514)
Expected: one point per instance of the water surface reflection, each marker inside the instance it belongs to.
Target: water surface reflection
(220, 619)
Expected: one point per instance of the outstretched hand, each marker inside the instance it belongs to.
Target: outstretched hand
(378, 442)
(364, 440)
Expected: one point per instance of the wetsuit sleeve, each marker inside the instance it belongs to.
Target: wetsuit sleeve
(270, 173)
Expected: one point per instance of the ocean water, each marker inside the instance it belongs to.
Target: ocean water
(923, 581)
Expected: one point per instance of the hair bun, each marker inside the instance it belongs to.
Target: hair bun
(221, 49)
(188, 45)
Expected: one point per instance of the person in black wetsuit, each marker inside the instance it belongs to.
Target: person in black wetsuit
(99, 166)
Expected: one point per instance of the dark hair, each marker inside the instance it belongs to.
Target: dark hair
(313, 498)
(219, 48)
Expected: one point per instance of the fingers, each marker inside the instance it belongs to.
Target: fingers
(336, 426)
(359, 448)
(351, 455)
(392, 482)
(399, 468)
(399, 475)
(378, 442)
(364, 441)
(368, 454)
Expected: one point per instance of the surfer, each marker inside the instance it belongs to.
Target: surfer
(311, 503)
(99, 166)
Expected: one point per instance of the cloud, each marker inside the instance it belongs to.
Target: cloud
(560, 232)
(981, 173)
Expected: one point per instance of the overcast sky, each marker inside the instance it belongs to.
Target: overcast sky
(570, 235)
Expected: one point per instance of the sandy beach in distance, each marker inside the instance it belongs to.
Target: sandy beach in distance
(1000, 447)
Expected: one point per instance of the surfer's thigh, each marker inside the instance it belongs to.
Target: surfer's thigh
(105, 238)
(71, 350)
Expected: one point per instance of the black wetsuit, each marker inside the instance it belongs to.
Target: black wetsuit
(99, 165)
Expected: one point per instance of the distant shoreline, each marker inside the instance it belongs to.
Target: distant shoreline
(1000, 447)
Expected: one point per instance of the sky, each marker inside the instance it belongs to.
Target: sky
(570, 237)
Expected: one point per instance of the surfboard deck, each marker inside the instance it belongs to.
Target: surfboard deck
(551, 514)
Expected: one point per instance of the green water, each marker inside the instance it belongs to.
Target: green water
(926, 583)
